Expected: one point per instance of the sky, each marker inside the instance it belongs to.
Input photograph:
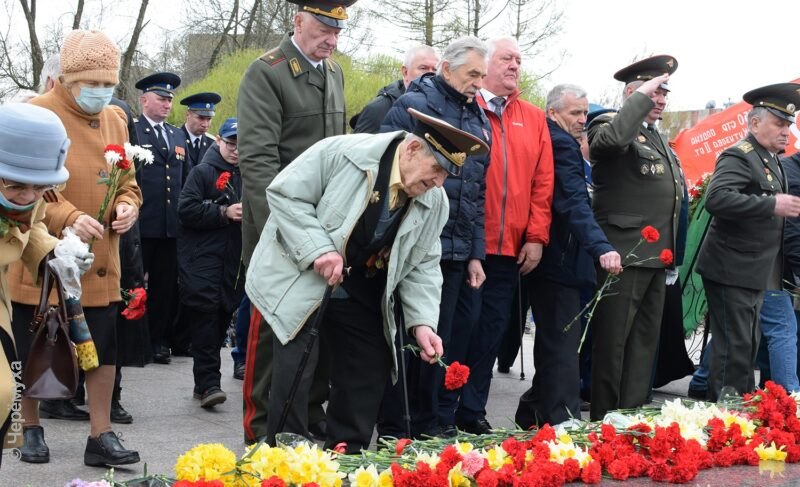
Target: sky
(723, 48)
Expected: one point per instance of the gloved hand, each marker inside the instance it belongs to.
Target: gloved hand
(672, 276)
(83, 258)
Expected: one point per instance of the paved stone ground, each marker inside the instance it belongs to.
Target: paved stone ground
(168, 421)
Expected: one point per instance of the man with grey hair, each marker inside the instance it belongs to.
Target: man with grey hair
(417, 61)
(452, 92)
(638, 182)
(742, 253)
(51, 69)
(290, 98)
(577, 243)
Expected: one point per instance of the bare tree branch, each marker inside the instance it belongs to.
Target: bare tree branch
(36, 51)
(76, 23)
(127, 56)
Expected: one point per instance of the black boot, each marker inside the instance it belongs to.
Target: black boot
(34, 450)
(106, 450)
(118, 413)
(61, 409)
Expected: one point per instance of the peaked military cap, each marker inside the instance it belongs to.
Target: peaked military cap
(782, 99)
(647, 69)
(202, 103)
(450, 146)
(163, 84)
(331, 13)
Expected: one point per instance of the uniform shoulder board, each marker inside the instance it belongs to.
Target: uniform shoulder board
(601, 120)
(332, 65)
(744, 146)
(273, 56)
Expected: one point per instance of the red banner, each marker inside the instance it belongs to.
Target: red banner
(699, 146)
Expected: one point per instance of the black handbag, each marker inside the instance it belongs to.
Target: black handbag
(51, 371)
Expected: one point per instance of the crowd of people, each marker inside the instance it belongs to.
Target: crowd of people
(452, 208)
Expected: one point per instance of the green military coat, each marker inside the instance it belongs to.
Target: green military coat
(743, 245)
(284, 106)
(637, 181)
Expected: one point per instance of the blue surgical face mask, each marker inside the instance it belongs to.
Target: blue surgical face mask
(8, 205)
(93, 100)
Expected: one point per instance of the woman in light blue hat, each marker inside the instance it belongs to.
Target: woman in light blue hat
(33, 147)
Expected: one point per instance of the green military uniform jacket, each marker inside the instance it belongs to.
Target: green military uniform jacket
(637, 181)
(284, 106)
(743, 245)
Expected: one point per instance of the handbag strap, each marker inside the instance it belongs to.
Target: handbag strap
(49, 278)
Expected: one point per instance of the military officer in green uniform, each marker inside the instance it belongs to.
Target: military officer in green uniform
(637, 182)
(289, 98)
(741, 255)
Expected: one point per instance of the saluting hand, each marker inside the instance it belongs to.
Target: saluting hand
(329, 266)
(429, 343)
(650, 86)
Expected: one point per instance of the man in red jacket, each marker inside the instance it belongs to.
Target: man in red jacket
(519, 190)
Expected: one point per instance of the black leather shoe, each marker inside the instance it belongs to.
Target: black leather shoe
(212, 396)
(118, 413)
(238, 371)
(319, 430)
(62, 409)
(503, 369)
(477, 427)
(34, 450)
(106, 450)
(182, 352)
(161, 356)
(448, 431)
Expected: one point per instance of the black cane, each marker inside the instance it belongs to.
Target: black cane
(522, 321)
(298, 376)
(400, 323)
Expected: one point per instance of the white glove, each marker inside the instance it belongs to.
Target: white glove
(73, 260)
(672, 276)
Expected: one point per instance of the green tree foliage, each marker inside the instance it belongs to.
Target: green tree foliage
(363, 79)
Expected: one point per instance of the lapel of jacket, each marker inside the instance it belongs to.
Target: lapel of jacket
(299, 65)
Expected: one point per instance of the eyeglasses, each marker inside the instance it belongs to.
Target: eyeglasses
(19, 187)
(231, 145)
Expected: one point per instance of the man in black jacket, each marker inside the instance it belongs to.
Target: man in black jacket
(418, 60)
(209, 250)
(576, 243)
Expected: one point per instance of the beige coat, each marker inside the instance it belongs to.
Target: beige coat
(90, 134)
(29, 248)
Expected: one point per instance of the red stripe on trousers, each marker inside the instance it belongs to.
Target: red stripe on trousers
(252, 344)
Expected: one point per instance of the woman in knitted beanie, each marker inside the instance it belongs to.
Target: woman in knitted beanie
(80, 97)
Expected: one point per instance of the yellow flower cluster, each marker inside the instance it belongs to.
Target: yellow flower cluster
(771, 452)
(296, 466)
(208, 461)
(369, 477)
(563, 449)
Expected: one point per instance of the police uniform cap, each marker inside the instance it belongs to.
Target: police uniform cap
(780, 99)
(163, 84)
(331, 13)
(449, 145)
(647, 69)
(202, 103)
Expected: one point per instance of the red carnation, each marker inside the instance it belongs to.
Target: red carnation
(340, 448)
(650, 234)
(118, 149)
(401, 445)
(456, 376)
(138, 297)
(124, 164)
(222, 180)
(591, 474)
(133, 314)
(273, 481)
(666, 257)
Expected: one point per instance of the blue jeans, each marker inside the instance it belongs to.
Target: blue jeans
(239, 352)
(779, 327)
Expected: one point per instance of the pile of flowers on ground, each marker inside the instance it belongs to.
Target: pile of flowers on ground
(667, 444)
